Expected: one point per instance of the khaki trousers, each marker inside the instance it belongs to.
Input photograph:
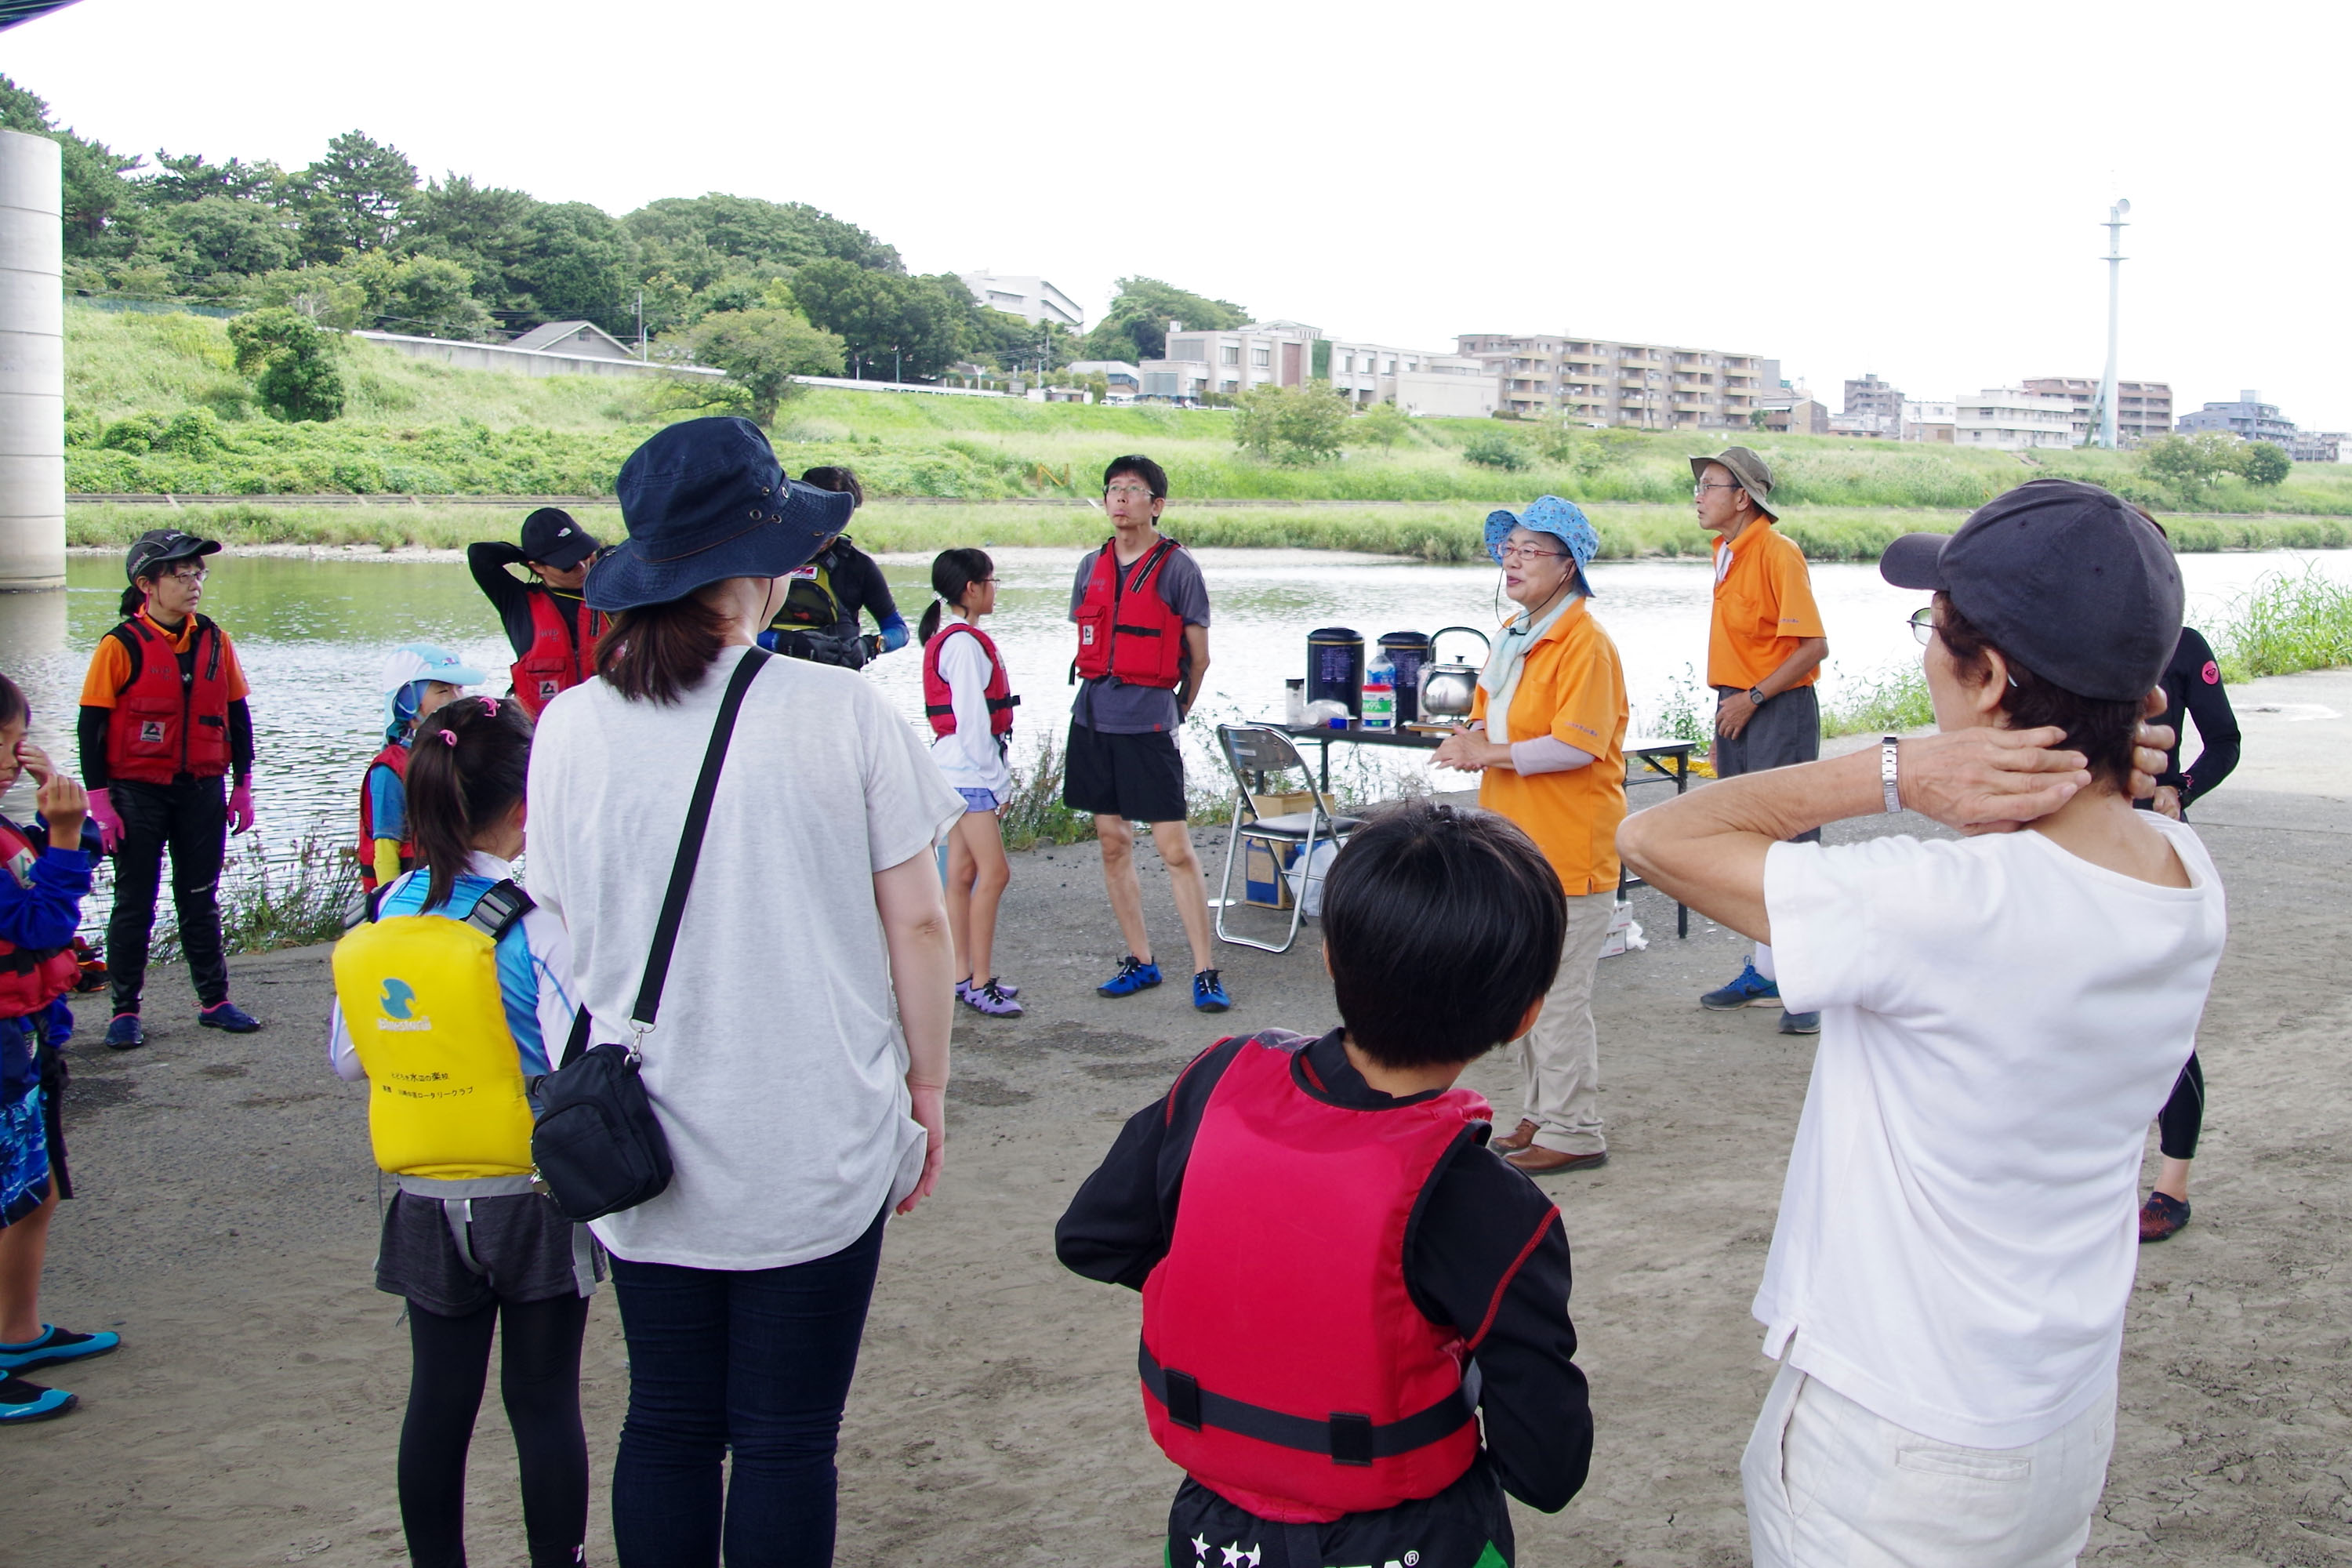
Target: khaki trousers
(1559, 1058)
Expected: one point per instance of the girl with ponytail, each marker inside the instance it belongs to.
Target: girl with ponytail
(466, 1240)
(969, 699)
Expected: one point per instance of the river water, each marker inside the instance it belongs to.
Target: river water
(313, 634)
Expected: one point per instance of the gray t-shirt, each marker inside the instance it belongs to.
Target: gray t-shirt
(776, 1065)
(1114, 708)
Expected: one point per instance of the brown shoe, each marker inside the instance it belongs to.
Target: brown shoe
(1552, 1161)
(1516, 1141)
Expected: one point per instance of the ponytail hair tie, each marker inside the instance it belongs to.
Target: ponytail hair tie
(490, 707)
(448, 737)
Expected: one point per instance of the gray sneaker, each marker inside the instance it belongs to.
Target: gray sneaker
(1801, 1023)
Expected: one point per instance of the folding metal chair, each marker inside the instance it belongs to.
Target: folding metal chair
(1254, 750)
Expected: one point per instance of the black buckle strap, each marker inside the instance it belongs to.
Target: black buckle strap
(1347, 1438)
(496, 911)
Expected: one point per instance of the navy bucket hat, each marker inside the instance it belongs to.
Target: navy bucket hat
(1560, 519)
(705, 500)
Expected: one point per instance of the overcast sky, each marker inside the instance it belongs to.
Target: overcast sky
(1914, 191)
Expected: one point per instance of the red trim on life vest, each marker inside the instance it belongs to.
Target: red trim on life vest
(1496, 1305)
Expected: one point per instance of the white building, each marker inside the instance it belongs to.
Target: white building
(2013, 419)
(1198, 363)
(1031, 299)
(1418, 381)
(1928, 419)
(1122, 376)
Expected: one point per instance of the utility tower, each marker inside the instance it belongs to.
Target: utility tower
(2106, 410)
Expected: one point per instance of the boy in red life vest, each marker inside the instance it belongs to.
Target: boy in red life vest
(419, 679)
(1336, 1272)
(550, 626)
(1143, 613)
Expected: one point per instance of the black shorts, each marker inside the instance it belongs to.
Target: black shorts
(1139, 777)
(524, 1251)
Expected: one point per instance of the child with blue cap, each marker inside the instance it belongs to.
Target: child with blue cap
(418, 679)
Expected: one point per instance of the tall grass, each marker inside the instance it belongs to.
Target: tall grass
(270, 901)
(1892, 700)
(1033, 812)
(2284, 624)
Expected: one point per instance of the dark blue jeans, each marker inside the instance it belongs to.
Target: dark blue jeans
(756, 1361)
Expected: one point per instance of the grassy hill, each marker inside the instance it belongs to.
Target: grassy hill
(155, 405)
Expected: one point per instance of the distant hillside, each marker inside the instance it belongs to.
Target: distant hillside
(155, 405)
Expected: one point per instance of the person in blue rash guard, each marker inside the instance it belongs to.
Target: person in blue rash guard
(47, 877)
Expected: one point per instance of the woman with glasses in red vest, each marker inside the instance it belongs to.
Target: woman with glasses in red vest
(167, 758)
(969, 699)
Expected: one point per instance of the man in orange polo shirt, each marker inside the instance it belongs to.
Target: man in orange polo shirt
(1764, 651)
(1547, 736)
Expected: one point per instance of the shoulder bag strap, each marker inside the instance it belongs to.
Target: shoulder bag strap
(690, 841)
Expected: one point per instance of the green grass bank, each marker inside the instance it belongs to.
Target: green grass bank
(155, 405)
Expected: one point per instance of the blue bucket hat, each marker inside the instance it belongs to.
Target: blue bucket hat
(705, 499)
(1559, 518)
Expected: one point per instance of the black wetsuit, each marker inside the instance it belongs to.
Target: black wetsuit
(1468, 1264)
(858, 589)
(2192, 685)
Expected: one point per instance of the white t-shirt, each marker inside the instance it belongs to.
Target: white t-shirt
(969, 756)
(776, 1063)
(2001, 1021)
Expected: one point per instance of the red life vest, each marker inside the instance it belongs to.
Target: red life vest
(393, 756)
(938, 699)
(1284, 1363)
(563, 651)
(167, 723)
(30, 977)
(1125, 627)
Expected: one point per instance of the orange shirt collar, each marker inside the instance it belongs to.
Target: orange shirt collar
(179, 640)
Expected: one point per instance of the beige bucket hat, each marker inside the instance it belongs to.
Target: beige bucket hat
(1755, 475)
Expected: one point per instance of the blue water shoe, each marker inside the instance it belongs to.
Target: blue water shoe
(52, 1345)
(124, 1033)
(1133, 976)
(1209, 993)
(230, 1016)
(1751, 990)
(22, 1403)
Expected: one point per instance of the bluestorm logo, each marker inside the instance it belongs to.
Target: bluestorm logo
(396, 1002)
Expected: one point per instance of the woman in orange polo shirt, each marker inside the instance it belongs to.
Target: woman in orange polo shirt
(1547, 736)
(163, 725)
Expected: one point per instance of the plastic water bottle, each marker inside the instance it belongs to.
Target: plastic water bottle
(1295, 704)
(1380, 695)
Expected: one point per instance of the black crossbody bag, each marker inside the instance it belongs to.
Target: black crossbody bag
(598, 1147)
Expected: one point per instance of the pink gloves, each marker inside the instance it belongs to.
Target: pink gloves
(240, 806)
(110, 826)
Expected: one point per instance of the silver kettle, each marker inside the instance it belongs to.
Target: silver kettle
(1446, 690)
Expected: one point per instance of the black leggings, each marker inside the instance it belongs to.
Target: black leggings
(538, 1378)
(2183, 1116)
(190, 819)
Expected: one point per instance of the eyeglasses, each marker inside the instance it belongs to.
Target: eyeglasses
(1922, 621)
(1511, 553)
(196, 575)
(1700, 489)
(1132, 492)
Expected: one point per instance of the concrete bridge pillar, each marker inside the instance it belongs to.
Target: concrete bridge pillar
(32, 364)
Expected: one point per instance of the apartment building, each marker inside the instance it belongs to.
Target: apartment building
(2143, 408)
(2319, 446)
(2248, 419)
(1871, 397)
(1229, 363)
(1418, 381)
(1029, 297)
(2013, 419)
(1649, 387)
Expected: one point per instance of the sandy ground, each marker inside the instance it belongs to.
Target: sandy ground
(230, 1211)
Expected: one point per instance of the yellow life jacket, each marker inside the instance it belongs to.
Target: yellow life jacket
(810, 603)
(420, 996)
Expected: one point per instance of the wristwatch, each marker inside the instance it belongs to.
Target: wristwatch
(1887, 776)
(1756, 695)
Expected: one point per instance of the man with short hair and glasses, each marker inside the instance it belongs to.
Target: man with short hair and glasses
(1764, 651)
(1143, 613)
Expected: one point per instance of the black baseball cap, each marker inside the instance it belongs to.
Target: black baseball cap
(2064, 577)
(551, 538)
(159, 547)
